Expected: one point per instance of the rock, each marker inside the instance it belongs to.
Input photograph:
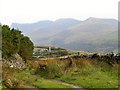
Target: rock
(15, 61)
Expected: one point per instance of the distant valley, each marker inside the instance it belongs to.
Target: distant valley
(92, 34)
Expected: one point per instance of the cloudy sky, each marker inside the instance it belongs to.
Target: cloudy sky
(27, 11)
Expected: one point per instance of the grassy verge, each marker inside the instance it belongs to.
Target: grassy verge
(27, 79)
(86, 73)
(37, 81)
(49, 84)
(83, 72)
(0, 87)
(94, 79)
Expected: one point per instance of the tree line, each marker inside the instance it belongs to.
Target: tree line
(13, 41)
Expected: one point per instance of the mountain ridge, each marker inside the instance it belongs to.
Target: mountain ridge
(76, 34)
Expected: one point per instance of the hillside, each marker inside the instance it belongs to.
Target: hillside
(43, 29)
(92, 34)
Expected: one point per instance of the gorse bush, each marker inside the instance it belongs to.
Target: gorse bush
(13, 41)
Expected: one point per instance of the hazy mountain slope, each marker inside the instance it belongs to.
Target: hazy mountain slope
(56, 27)
(43, 29)
(30, 27)
(93, 34)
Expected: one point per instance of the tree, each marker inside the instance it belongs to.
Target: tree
(26, 48)
(15, 42)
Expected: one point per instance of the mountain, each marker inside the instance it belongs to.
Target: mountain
(30, 27)
(92, 34)
(101, 20)
(43, 29)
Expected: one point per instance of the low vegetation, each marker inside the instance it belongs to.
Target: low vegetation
(13, 41)
(84, 72)
(27, 79)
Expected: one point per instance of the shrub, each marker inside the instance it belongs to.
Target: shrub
(14, 42)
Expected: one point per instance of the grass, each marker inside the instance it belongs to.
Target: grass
(95, 79)
(0, 87)
(49, 84)
(27, 79)
(86, 73)
(39, 82)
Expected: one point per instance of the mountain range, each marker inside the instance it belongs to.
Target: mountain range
(92, 34)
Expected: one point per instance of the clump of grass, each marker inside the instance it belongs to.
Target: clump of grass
(53, 69)
(83, 63)
(8, 77)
